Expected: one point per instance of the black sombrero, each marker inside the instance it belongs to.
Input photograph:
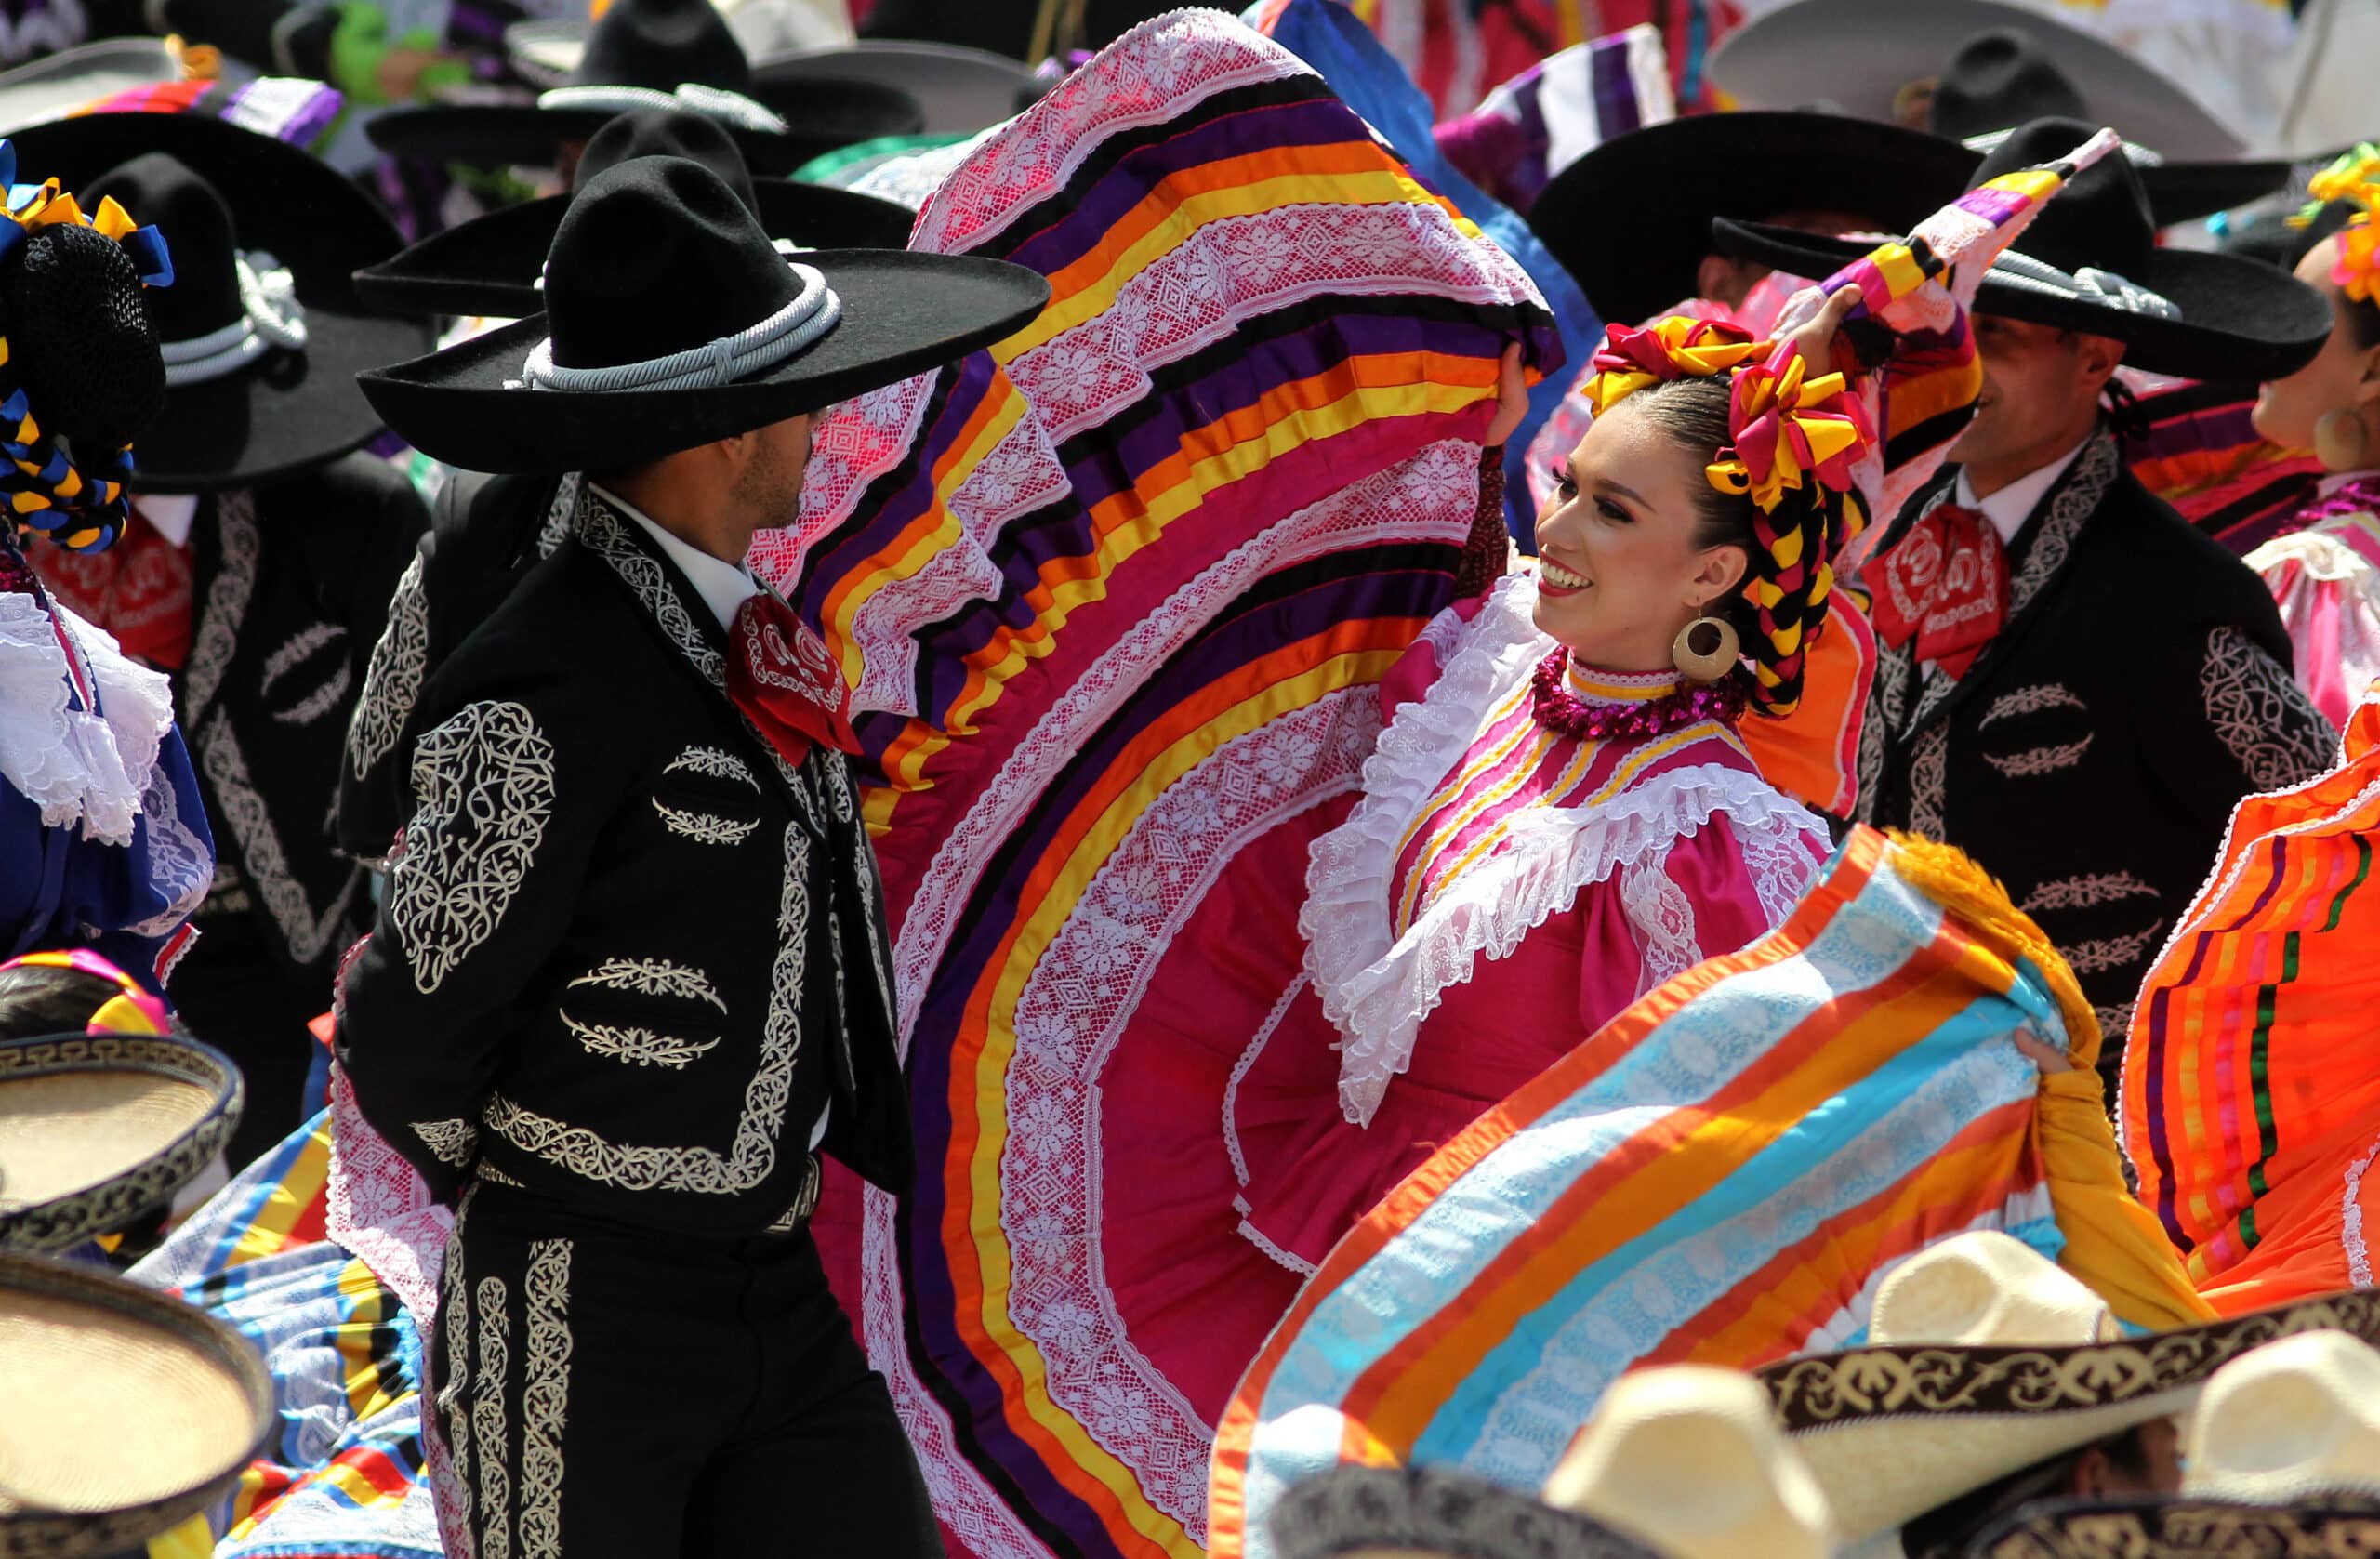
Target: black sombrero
(253, 409)
(490, 264)
(671, 320)
(2006, 76)
(1860, 55)
(659, 54)
(1355, 1510)
(2178, 311)
(2147, 1527)
(98, 1129)
(122, 1410)
(1630, 218)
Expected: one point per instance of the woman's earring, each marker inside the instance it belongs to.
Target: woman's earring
(2342, 442)
(1705, 649)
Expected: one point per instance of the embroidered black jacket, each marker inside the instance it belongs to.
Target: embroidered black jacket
(290, 588)
(485, 533)
(2091, 757)
(625, 954)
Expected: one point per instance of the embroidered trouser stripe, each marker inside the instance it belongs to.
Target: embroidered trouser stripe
(545, 1398)
(495, 1487)
(452, 1486)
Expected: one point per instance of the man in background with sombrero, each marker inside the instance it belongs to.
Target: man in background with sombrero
(262, 548)
(631, 975)
(2074, 686)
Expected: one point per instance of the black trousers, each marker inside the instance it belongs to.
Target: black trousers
(603, 1389)
(231, 992)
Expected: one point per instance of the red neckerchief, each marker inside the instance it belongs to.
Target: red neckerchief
(779, 673)
(1944, 586)
(137, 591)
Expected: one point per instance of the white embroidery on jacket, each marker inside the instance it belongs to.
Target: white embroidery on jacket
(2261, 715)
(2086, 892)
(2097, 955)
(486, 779)
(452, 1140)
(752, 1154)
(2034, 762)
(653, 977)
(639, 1047)
(703, 827)
(716, 762)
(393, 677)
(2029, 701)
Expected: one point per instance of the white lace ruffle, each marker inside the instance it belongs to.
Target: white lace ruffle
(1377, 987)
(78, 767)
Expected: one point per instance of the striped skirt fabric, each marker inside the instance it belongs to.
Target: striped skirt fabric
(1723, 1175)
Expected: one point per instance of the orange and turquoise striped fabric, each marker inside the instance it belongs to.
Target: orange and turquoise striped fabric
(1723, 1175)
(1180, 524)
(2250, 1106)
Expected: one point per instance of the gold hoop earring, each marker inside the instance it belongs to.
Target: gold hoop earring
(1705, 649)
(2342, 442)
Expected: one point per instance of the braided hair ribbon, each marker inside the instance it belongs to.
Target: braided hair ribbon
(2354, 177)
(77, 499)
(1676, 348)
(1791, 432)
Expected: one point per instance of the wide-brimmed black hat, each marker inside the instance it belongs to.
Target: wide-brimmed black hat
(122, 1410)
(962, 90)
(103, 1128)
(659, 54)
(1860, 55)
(2006, 76)
(490, 264)
(244, 404)
(1428, 1509)
(671, 320)
(2099, 271)
(1631, 220)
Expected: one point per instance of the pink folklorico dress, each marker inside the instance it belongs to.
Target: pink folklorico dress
(2324, 573)
(1499, 893)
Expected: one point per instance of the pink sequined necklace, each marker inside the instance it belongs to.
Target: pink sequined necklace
(1559, 709)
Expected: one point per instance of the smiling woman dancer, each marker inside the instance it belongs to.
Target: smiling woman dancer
(1562, 786)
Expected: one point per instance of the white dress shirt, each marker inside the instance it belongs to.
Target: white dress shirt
(169, 514)
(2008, 508)
(723, 587)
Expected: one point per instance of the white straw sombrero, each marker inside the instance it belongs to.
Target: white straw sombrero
(1984, 1357)
(122, 1410)
(97, 1129)
(2282, 1456)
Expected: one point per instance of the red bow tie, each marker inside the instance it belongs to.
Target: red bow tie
(1944, 585)
(781, 676)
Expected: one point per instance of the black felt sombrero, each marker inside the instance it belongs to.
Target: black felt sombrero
(1630, 218)
(2229, 318)
(217, 191)
(659, 54)
(98, 1129)
(122, 1410)
(491, 265)
(664, 290)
